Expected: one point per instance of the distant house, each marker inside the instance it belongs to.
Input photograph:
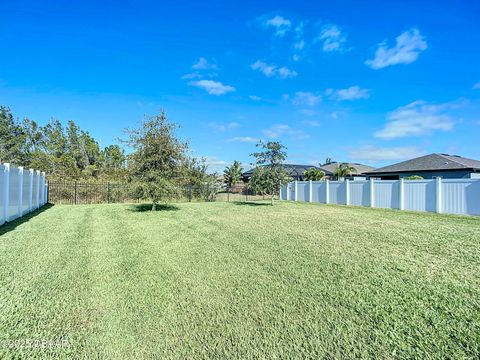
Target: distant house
(429, 167)
(296, 172)
(360, 170)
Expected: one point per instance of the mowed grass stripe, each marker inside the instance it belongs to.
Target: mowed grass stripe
(231, 280)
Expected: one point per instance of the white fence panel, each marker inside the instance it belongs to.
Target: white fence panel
(283, 193)
(387, 194)
(319, 191)
(20, 192)
(420, 195)
(302, 188)
(360, 193)
(338, 192)
(2, 193)
(461, 196)
(14, 194)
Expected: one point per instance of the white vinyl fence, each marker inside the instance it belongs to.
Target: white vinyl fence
(21, 191)
(449, 196)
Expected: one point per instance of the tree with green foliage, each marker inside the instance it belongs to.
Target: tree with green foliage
(413, 177)
(343, 170)
(270, 174)
(12, 139)
(156, 163)
(233, 174)
(314, 174)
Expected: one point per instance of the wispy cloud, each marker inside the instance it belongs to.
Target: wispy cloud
(308, 112)
(375, 154)
(306, 98)
(311, 123)
(193, 75)
(332, 38)
(215, 164)
(244, 139)
(255, 98)
(280, 130)
(351, 93)
(476, 86)
(223, 126)
(203, 64)
(416, 119)
(270, 70)
(212, 87)
(408, 47)
(280, 24)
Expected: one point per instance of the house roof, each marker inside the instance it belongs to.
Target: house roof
(329, 169)
(292, 169)
(430, 163)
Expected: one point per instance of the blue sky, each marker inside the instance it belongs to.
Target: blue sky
(365, 81)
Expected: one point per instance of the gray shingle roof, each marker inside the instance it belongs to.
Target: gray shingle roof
(360, 168)
(431, 162)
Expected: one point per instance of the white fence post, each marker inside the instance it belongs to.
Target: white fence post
(6, 192)
(30, 192)
(347, 192)
(372, 193)
(310, 191)
(37, 184)
(20, 191)
(327, 191)
(439, 194)
(295, 195)
(288, 191)
(401, 194)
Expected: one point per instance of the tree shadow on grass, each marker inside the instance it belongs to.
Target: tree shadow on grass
(12, 225)
(148, 207)
(248, 203)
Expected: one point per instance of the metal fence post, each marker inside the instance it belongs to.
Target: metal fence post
(190, 193)
(75, 192)
(108, 192)
(6, 192)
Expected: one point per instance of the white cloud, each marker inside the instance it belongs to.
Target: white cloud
(306, 98)
(416, 119)
(277, 131)
(308, 112)
(223, 126)
(270, 70)
(408, 47)
(299, 45)
(215, 164)
(245, 139)
(351, 93)
(332, 38)
(255, 98)
(193, 75)
(280, 24)
(311, 123)
(476, 86)
(376, 154)
(212, 87)
(203, 64)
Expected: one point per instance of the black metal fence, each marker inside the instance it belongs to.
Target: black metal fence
(75, 192)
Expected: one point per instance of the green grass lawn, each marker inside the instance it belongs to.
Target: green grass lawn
(227, 280)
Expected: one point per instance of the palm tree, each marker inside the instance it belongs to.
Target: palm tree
(343, 170)
(233, 174)
(313, 174)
